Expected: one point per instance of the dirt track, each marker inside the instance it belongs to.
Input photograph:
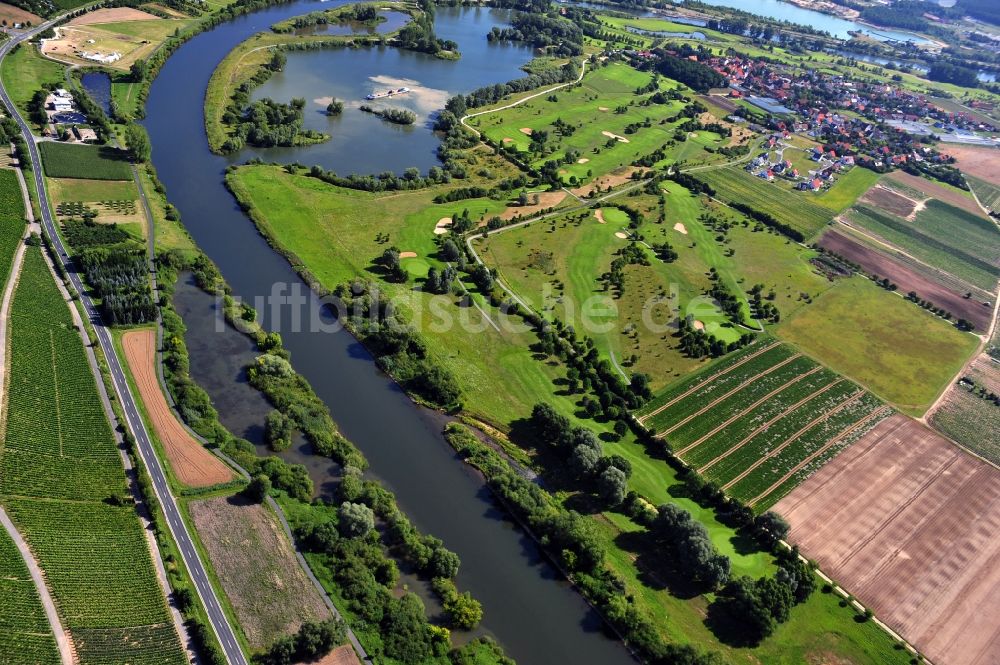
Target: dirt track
(191, 462)
(909, 280)
(908, 523)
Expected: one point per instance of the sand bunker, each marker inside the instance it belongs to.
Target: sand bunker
(621, 139)
(599, 214)
(407, 255)
(619, 234)
(603, 108)
(693, 135)
(526, 130)
(698, 325)
(582, 160)
(508, 139)
(680, 228)
(442, 226)
(545, 200)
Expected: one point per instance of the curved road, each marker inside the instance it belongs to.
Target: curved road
(178, 529)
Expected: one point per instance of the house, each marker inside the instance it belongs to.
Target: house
(85, 134)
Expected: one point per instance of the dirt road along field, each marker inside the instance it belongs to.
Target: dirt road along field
(190, 461)
(908, 523)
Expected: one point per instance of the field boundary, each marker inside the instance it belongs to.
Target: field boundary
(790, 440)
(794, 356)
(877, 413)
(641, 419)
(759, 429)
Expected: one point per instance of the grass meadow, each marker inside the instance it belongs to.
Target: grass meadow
(902, 353)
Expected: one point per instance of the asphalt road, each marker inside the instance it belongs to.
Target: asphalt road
(220, 624)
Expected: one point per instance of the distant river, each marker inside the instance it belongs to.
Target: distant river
(537, 617)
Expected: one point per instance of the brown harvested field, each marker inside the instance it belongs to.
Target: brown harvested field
(937, 191)
(342, 655)
(907, 279)
(114, 15)
(13, 15)
(191, 462)
(889, 201)
(545, 200)
(976, 160)
(257, 568)
(908, 523)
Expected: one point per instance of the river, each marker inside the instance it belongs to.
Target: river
(537, 617)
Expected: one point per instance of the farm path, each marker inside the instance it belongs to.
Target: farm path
(66, 652)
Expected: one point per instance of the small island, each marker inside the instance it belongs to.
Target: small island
(397, 116)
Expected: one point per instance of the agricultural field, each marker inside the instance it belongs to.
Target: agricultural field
(907, 522)
(593, 121)
(25, 634)
(987, 193)
(967, 415)
(114, 201)
(11, 15)
(62, 481)
(86, 162)
(900, 352)
(908, 279)
(11, 220)
(940, 235)
(795, 209)
(256, 566)
(762, 421)
(924, 190)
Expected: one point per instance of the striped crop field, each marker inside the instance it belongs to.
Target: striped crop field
(25, 635)
(63, 484)
(762, 421)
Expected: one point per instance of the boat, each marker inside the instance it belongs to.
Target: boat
(387, 93)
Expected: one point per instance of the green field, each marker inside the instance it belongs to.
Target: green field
(88, 162)
(605, 102)
(964, 245)
(847, 188)
(61, 479)
(761, 421)
(11, 220)
(25, 635)
(795, 209)
(24, 71)
(902, 353)
(987, 193)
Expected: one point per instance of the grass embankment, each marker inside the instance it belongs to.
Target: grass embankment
(88, 162)
(904, 354)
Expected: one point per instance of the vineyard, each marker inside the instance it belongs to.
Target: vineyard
(64, 160)
(25, 635)
(64, 485)
(11, 204)
(762, 421)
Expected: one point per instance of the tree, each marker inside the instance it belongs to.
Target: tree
(139, 71)
(335, 107)
(278, 431)
(444, 563)
(356, 520)
(405, 633)
(612, 485)
(137, 141)
(771, 527)
(258, 489)
(584, 461)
